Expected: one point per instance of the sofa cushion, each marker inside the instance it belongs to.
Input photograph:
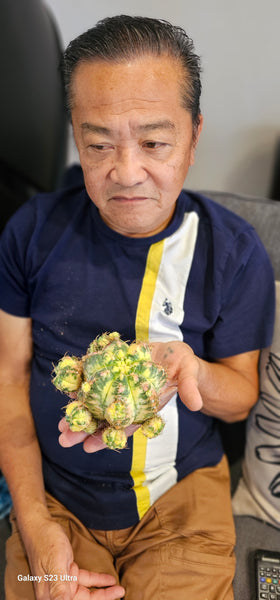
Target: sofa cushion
(258, 491)
(262, 213)
(251, 534)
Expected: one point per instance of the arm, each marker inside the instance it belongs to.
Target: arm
(18, 442)
(48, 548)
(226, 389)
(230, 387)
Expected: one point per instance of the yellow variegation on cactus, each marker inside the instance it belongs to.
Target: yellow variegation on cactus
(68, 374)
(115, 384)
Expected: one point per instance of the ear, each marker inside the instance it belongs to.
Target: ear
(196, 134)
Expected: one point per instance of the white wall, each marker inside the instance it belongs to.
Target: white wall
(239, 43)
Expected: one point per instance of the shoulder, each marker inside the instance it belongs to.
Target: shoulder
(44, 211)
(225, 230)
(229, 241)
(213, 215)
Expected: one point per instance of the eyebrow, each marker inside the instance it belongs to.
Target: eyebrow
(95, 128)
(146, 127)
(164, 124)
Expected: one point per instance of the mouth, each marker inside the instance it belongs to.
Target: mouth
(128, 199)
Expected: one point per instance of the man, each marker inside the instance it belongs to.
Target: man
(130, 253)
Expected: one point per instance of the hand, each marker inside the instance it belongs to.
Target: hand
(51, 559)
(93, 443)
(182, 367)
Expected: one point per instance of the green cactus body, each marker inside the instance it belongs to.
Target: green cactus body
(79, 418)
(100, 392)
(68, 374)
(145, 399)
(120, 385)
(138, 351)
(91, 364)
(152, 427)
(102, 340)
(114, 438)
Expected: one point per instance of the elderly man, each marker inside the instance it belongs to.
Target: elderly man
(128, 251)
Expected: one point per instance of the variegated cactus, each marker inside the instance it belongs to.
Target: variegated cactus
(68, 374)
(115, 385)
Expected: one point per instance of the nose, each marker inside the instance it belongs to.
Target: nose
(128, 169)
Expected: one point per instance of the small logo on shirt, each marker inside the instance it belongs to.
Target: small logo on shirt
(167, 307)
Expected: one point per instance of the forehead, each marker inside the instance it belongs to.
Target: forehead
(147, 80)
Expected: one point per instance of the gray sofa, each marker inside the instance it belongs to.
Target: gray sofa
(252, 533)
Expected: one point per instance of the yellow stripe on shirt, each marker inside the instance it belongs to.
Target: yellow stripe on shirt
(142, 333)
(147, 291)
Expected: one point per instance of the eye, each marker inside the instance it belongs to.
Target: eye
(100, 147)
(154, 145)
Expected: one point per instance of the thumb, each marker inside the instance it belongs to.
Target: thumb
(59, 588)
(63, 583)
(189, 392)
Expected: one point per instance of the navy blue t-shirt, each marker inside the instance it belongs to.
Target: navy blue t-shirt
(206, 280)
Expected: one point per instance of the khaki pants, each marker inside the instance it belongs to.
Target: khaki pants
(182, 548)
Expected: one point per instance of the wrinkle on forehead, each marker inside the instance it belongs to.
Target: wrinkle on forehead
(124, 105)
(143, 81)
(136, 101)
(145, 127)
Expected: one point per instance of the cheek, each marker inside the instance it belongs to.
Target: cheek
(169, 177)
(176, 171)
(94, 175)
(93, 185)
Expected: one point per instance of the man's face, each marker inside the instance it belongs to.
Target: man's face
(135, 140)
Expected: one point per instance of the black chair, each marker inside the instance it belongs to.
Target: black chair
(33, 122)
(275, 185)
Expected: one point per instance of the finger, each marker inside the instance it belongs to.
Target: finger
(189, 392)
(181, 365)
(63, 425)
(41, 590)
(94, 443)
(59, 590)
(131, 429)
(88, 579)
(71, 438)
(115, 592)
(91, 579)
(61, 586)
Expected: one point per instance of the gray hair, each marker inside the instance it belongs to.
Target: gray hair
(123, 38)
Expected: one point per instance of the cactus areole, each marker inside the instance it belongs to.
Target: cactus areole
(114, 385)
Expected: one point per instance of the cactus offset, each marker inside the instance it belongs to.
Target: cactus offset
(68, 374)
(117, 384)
(79, 418)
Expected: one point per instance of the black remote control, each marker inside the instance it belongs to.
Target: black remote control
(267, 569)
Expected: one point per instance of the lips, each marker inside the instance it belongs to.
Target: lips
(129, 199)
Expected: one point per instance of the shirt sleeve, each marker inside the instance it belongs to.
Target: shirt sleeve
(14, 248)
(247, 300)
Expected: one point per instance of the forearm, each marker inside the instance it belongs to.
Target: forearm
(225, 389)
(226, 393)
(20, 455)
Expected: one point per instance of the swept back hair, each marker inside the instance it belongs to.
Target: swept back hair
(123, 38)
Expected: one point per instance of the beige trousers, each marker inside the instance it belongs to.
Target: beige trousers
(182, 548)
